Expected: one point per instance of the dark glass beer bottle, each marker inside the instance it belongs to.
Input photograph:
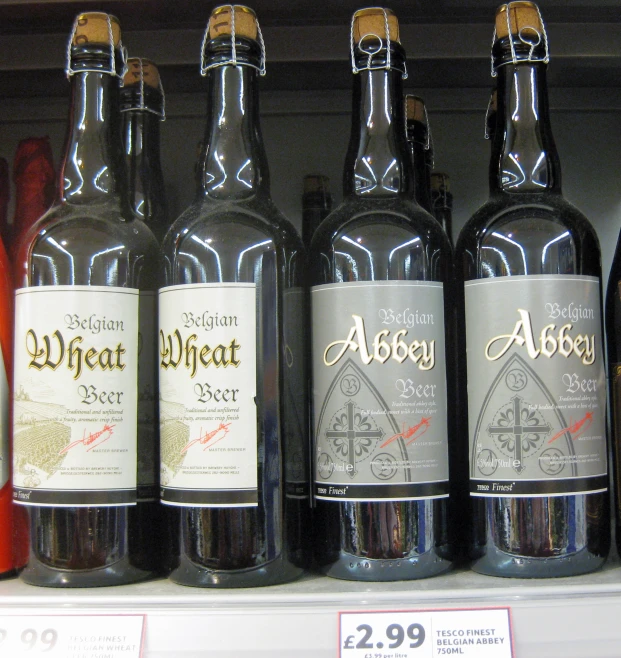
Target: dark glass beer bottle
(380, 264)
(613, 337)
(80, 270)
(234, 454)
(442, 202)
(536, 399)
(316, 204)
(142, 109)
(419, 140)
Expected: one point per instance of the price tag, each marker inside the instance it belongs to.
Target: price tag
(71, 636)
(472, 633)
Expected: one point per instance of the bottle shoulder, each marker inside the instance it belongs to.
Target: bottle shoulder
(527, 233)
(526, 209)
(88, 245)
(387, 219)
(206, 218)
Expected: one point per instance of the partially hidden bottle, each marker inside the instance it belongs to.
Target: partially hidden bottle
(13, 519)
(80, 272)
(142, 109)
(421, 148)
(5, 198)
(536, 398)
(442, 202)
(613, 339)
(316, 204)
(234, 456)
(34, 179)
(380, 265)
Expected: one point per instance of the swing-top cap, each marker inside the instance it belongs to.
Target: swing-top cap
(150, 74)
(95, 27)
(522, 17)
(372, 22)
(221, 22)
(415, 108)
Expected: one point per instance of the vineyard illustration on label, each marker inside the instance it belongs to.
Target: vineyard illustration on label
(357, 436)
(41, 442)
(176, 442)
(520, 430)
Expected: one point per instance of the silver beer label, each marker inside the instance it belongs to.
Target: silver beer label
(536, 386)
(379, 380)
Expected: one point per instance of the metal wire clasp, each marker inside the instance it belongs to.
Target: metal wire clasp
(233, 61)
(524, 39)
(112, 70)
(143, 107)
(369, 51)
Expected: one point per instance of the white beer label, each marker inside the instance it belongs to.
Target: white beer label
(4, 424)
(75, 396)
(208, 414)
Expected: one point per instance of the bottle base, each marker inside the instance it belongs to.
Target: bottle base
(119, 573)
(507, 565)
(353, 567)
(276, 572)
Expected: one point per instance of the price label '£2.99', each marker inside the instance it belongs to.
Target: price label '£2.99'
(472, 633)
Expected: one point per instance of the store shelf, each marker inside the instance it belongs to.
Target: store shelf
(561, 618)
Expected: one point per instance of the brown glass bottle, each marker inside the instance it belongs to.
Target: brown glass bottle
(539, 506)
(376, 253)
(316, 204)
(88, 241)
(442, 201)
(421, 148)
(232, 243)
(142, 109)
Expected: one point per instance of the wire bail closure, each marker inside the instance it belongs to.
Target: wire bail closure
(233, 61)
(487, 113)
(429, 143)
(143, 107)
(112, 70)
(370, 52)
(523, 38)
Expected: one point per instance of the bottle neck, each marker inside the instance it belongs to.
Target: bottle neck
(524, 156)
(233, 164)
(420, 154)
(378, 161)
(141, 130)
(92, 162)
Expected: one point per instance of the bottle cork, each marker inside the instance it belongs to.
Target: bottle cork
(440, 182)
(150, 74)
(315, 183)
(415, 109)
(220, 22)
(372, 22)
(94, 27)
(522, 16)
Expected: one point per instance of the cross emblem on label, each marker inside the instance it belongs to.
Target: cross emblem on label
(351, 434)
(517, 430)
